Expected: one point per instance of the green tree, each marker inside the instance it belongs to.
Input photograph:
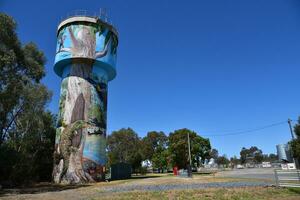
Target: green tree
(125, 146)
(272, 157)
(154, 146)
(20, 67)
(160, 159)
(243, 155)
(178, 148)
(295, 144)
(222, 161)
(234, 160)
(26, 130)
(214, 154)
(253, 154)
(152, 142)
(28, 157)
(258, 156)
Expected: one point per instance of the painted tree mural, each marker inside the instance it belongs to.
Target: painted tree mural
(81, 128)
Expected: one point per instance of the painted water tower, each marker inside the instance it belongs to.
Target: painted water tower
(85, 60)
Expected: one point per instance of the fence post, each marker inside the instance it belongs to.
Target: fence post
(298, 175)
(276, 178)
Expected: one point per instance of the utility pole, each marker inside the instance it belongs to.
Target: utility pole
(290, 125)
(293, 137)
(190, 158)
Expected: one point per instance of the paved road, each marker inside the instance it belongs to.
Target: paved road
(253, 173)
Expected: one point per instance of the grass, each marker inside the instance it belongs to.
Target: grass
(97, 191)
(247, 193)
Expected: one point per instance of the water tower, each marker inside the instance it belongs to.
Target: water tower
(85, 60)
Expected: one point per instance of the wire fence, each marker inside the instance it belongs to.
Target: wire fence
(287, 178)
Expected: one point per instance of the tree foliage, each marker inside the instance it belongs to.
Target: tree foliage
(253, 154)
(21, 67)
(152, 142)
(214, 154)
(270, 157)
(26, 129)
(295, 144)
(222, 161)
(154, 146)
(160, 159)
(124, 145)
(234, 160)
(178, 148)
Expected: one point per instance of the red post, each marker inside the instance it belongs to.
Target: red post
(175, 170)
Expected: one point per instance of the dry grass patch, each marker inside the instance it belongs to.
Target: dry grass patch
(246, 193)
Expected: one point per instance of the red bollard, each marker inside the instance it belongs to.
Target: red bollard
(175, 171)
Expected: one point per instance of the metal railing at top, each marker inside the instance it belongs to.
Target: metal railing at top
(102, 15)
(287, 178)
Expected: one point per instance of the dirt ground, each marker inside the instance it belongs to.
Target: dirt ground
(156, 186)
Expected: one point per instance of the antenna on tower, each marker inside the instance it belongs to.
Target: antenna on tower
(103, 14)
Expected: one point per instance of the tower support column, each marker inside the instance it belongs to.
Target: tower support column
(85, 59)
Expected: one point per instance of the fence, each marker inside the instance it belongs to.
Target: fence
(287, 178)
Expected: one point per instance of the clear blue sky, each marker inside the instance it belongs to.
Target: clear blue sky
(208, 65)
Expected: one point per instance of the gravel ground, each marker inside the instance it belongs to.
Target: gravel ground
(252, 173)
(164, 187)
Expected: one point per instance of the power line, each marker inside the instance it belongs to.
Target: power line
(236, 130)
(249, 130)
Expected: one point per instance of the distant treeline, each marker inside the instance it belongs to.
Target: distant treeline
(162, 151)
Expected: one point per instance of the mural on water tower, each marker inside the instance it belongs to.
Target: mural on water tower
(80, 145)
(93, 41)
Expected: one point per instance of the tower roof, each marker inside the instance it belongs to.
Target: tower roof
(83, 16)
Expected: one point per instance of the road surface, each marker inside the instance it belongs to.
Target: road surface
(250, 173)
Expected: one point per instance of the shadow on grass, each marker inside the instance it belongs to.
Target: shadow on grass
(204, 173)
(295, 190)
(39, 188)
(144, 177)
